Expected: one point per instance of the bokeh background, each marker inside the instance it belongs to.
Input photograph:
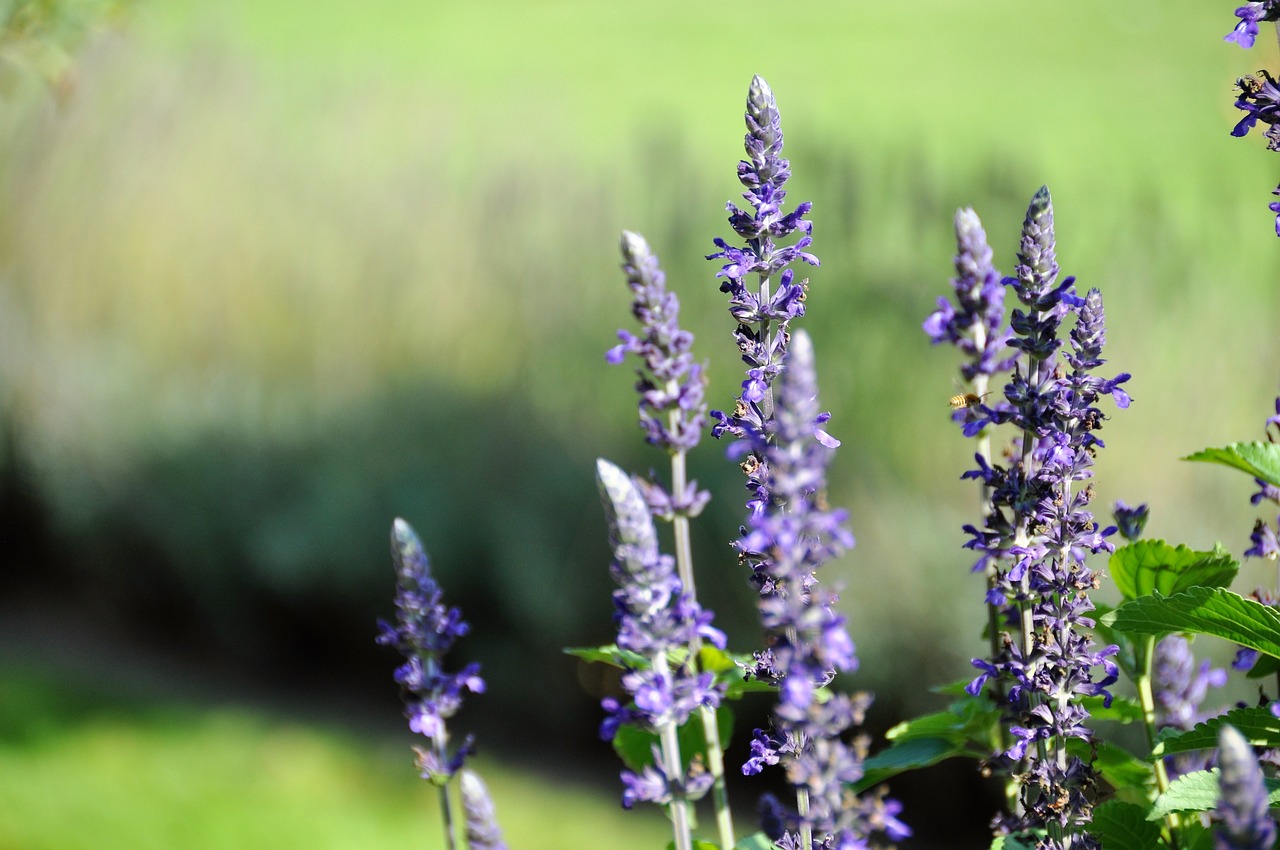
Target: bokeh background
(272, 273)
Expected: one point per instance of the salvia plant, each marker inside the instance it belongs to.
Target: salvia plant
(1037, 392)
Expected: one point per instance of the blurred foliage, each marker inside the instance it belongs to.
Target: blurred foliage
(272, 274)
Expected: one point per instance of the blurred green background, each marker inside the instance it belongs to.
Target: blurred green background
(273, 273)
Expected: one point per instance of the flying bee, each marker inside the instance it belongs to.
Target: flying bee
(966, 400)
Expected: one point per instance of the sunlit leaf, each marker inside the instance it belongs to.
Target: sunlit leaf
(1147, 566)
(1258, 459)
(1203, 610)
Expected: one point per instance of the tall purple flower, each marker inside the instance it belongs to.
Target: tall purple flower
(1250, 15)
(974, 324)
(809, 640)
(425, 629)
(657, 621)
(670, 384)
(763, 294)
(1037, 533)
(1244, 822)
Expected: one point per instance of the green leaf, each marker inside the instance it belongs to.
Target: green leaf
(699, 844)
(1203, 610)
(1256, 724)
(1010, 842)
(1121, 710)
(755, 841)
(1258, 459)
(1264, 668)
(1124, 826)
(1192, 792)
(1121, 768)
(910, 754)
(610, 655)
(1148, 566)
(635, 745)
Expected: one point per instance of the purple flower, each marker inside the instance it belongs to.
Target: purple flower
(424, 631)
(1274, 206)
(1244, 822)
(1039, 530)
(481, 821)
(809, 643)
(1250, 15)
(1180, 687)
(1130, 521)
(1259, 98)
(762, 311)
(975, 323)
(654, 617)
(671, 385)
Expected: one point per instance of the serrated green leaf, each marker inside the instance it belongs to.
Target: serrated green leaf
(1147, 566)
(1124, 826)
(902, 756)
(1257, 725)
(1258, 459)
(755, 841)
(1192, 792)
(1202, 610)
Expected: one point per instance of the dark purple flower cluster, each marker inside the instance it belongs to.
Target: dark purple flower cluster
(1180, 687)
(1243, 819)
(1039, 530)
(1130, 521)
(762, 310)
(1259, 95)
(809, 642)
(671, 385)
(424, 631)
(657, 621)
(1250, 15)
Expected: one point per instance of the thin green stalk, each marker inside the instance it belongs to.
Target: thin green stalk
(673, 767)
(446, 808)
(710, 726)
(1146, 698)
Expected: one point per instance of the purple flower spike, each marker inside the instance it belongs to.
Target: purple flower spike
(809, 640)
(1250, 15)
(424, 631)
(762, 311)
(672, 412)
(1180, 687)
(1244, 822)
(974, 324)
(481, 821)
(654, 618)
(1038, 531)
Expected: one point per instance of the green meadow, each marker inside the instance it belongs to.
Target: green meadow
(272, 273)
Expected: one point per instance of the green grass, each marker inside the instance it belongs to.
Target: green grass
(77, 772)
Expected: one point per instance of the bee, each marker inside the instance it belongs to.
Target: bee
(1249, 85)
(966, 400)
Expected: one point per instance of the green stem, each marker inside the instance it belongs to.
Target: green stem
(1146, 698)
(673, 767)
(710, 726)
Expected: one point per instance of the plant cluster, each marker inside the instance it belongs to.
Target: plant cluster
(1037, 395)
